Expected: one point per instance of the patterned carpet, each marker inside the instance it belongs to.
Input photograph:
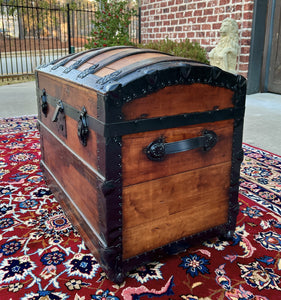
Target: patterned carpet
(43, 257)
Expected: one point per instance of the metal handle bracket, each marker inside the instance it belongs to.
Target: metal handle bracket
(158, 149)
(44, 103)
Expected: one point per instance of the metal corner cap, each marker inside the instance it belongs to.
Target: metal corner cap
(113, 86)
(241, 80)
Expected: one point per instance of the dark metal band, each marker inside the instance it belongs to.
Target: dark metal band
(95, 68)
(122, 54)
(62, 61)
(135, 126)
(73, 113)
(59, 62)
(142, 64)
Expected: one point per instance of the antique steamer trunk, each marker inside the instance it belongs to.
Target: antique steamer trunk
(142, 150)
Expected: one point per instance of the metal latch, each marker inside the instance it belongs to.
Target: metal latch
(44, 103)
(59, 119)
(83, 129)
(59, 109)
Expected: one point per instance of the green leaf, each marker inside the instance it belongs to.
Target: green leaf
(110, 24)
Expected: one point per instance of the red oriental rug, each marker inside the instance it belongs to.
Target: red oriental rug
(43, 257)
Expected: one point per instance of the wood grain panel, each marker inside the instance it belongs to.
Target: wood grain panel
(99, 58)
(89, 153)
(161, 211)
(179, 99)
(91, 239)
(95, 59)
(136, 167)
(72, 93)
(76, 179)
(121, 63)
(71, 62)
(104, 71)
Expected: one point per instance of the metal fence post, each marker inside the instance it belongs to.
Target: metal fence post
(31, 35)
(139, 25)
(68, 28)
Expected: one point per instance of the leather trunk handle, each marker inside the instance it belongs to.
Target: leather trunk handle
(158, 149)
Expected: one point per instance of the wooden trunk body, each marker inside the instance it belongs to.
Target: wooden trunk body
(99, 112)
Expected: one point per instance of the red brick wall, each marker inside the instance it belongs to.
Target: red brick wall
(197, 20)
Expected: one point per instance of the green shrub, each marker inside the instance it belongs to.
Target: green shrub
(111, 24)
(187, 49)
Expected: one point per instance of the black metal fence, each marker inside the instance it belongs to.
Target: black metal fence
(31, 35)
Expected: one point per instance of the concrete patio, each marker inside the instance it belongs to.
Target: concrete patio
(262, 125)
